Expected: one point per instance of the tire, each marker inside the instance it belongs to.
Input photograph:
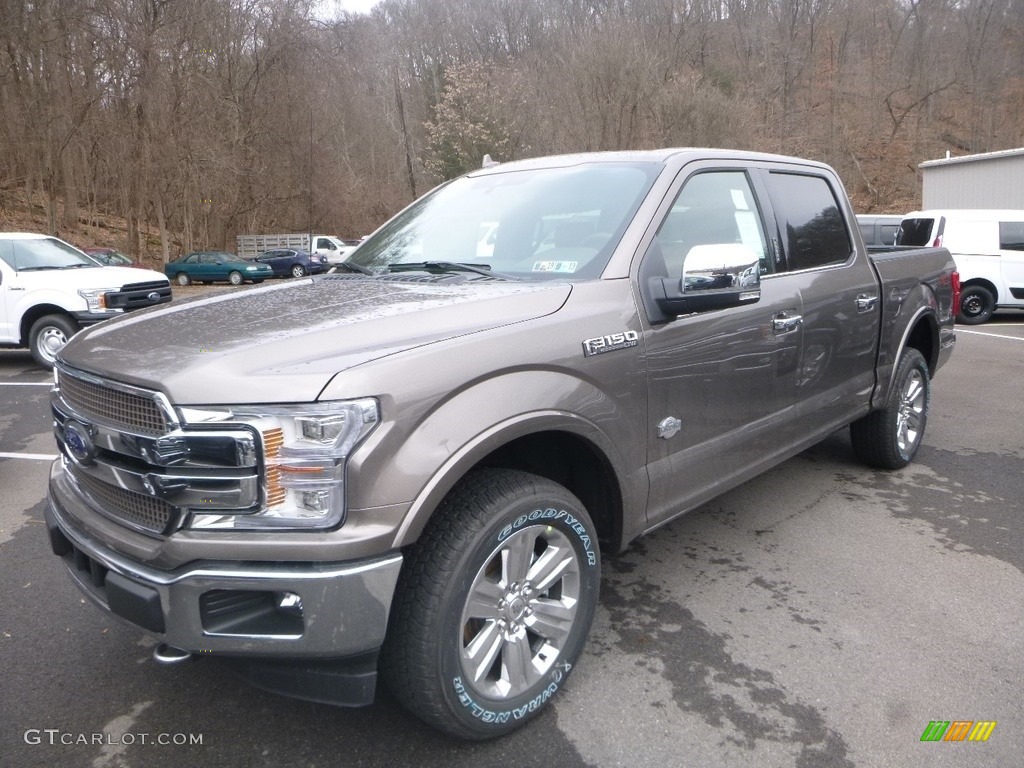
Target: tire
(183, 279)
(298, 270)
(976, 305)
(48, 336)
(235, 278)
(476, 645)
(889, 438)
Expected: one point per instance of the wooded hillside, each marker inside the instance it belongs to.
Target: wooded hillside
(207, 118)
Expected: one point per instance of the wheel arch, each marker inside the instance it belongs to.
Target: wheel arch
(558, 446)
(34, 313)
(980, 282)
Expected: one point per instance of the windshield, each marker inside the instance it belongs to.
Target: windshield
(45, 253)
(915, 232)
(553, 223)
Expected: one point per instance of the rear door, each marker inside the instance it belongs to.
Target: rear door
(839, 296)
(721, 383)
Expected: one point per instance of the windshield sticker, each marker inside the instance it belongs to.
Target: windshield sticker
(555, 266)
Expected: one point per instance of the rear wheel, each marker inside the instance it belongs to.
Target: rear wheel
(298, 270)
(183, 279)
(48, 336)
(493, 605)
(235, 278)
(889, 438)
(976, 305)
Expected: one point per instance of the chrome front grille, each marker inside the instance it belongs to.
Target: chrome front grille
(146, 512)
(132, 410)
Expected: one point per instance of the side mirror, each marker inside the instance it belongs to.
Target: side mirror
(713, 277)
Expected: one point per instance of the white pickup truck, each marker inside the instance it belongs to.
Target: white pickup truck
(49, 290)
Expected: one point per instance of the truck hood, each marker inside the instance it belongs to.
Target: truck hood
(284, 343)
(90, 277)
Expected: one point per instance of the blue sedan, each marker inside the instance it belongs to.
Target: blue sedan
(287, 261)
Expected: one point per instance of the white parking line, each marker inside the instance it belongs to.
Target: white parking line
(32, 456)
(993, 335)
(26, 383)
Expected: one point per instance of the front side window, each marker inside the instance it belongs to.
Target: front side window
(1011, 235)
(813, 230)
(714, 218)
(540, 224)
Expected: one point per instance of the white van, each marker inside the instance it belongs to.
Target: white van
(988, 247)
(50, 289)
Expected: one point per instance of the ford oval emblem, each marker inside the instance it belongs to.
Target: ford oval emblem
(79, 443)
(154, 296)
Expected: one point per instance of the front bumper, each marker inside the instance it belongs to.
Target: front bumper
(286, 611)
(86, 318)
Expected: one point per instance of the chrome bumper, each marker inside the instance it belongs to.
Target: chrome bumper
(283, 610)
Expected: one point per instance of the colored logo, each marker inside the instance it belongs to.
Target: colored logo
(79, 442)
(958, 730)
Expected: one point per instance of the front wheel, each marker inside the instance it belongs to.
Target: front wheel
(48, 336)
(493, 605)
(976, 305)
(235, 278)
(183, 279)
(889, 438)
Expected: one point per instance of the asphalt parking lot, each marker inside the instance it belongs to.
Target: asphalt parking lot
(820, 615)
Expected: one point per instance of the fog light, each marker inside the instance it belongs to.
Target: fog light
(289, 602)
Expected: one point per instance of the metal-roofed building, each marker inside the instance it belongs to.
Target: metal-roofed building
(989, 180)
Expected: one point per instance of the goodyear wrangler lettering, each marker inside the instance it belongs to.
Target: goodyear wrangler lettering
(517, 713)
(550, 515)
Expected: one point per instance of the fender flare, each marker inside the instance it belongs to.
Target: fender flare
(489, 440)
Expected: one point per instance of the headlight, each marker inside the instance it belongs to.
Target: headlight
(303, 461)
(96, 298)
(251, 269)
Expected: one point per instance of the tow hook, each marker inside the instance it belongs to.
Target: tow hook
(167, 655)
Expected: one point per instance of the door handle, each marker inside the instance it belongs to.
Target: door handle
(786, 323)
(866, 303)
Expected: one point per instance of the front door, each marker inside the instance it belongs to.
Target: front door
(721, 383)
(1011, 257)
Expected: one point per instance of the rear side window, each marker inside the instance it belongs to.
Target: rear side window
(812, 226)
(915, 232)
(1011, 235)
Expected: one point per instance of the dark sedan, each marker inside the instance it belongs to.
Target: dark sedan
(286, 261)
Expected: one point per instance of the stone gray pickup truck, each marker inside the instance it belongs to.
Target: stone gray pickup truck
(416, 464)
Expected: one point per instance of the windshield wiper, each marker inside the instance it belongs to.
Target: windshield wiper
(449, 266)
(37, 269)
(353, 267)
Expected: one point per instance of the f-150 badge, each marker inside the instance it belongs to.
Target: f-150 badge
(613, 341)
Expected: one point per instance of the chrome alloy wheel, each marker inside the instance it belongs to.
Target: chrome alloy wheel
(519, 611)
(911, 411)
